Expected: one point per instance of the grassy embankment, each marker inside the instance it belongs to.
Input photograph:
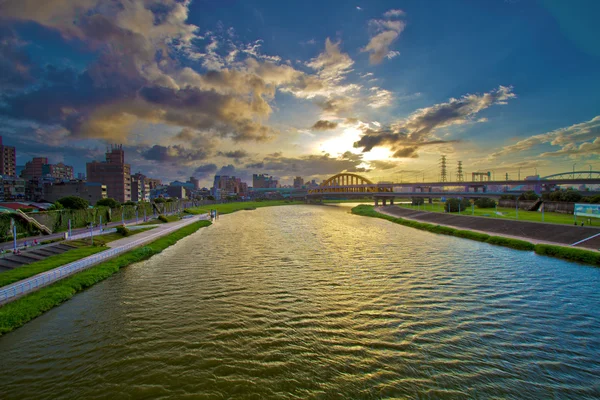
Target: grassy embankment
(227, 208)
(84, 249)
(162, 219)
(504, 213)
(567, 253)
(19, 312)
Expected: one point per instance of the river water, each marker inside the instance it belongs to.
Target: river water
(313, 302)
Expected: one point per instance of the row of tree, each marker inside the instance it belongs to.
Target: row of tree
(563, 195)
(77, 203)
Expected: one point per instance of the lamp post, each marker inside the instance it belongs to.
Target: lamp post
(519, 173)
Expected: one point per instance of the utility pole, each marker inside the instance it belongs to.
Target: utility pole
(443, 168)
(459, 175)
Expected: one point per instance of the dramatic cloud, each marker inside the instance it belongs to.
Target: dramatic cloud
(174, 154)
(237, 154)
(205, 170)
(406, 136)
(576, 141)
(322, 125)
(380, 98)
(385, 32)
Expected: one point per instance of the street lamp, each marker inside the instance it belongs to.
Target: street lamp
(519, 173)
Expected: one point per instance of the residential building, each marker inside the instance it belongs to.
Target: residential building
(153, 183)
(176, 191)
(114, 173)
(140, 190)
(90, 191)
(59, 171)
(263, 181)
(34, 168)
(298, 182)
(8, 160)
(13, 188)
(194, 181)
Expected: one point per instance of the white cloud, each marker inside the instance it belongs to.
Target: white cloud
(394, 13)
(385, 33)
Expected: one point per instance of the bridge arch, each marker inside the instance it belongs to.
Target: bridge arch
(346, 182)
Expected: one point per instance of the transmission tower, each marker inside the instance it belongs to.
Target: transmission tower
(443, 167)
(459, 175)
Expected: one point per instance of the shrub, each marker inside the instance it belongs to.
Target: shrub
(110, 203)
(456, 205)
(485, 202)
(480, 237)
(74, 203)
(123, 230)
(162, 218)
(512, 243)
(529, 195)
(417, 201)
(129, 203)
(507, 197)
(568, 253)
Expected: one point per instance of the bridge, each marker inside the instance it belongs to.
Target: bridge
(352, 185)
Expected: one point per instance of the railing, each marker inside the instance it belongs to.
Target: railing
(86, 235)
(18, 289)
(35, 222)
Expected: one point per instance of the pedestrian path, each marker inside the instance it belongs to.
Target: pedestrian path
(18, 289)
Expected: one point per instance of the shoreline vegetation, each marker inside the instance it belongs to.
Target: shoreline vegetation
(566, 253)
(19, 312)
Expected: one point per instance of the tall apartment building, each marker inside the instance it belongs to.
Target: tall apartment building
(58, 171)
(194, 181)
(34, 168)
(140, 190)
(113, 173)
(263, 181)
(298, 182)
(8, 160)
(153, 183)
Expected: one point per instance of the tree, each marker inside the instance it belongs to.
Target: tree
(56, 206)
(485, 202)
(507, 197)
(129, 203)
(159, 200)
(571, 196)
(74, 203)
(417, 201)
(108, 202)
(455, 205)
(529, 195)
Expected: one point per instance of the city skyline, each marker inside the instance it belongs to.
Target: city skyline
(383, 89)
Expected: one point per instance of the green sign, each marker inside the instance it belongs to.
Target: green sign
(587, 210)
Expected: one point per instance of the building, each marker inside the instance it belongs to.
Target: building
(194, 181)
(298, 182)
(263, 181)
(58, 171)
(114, 173)
(90, 191)
(34, 168)
(140, 189)
(176, 191)
(8, 160)
(12, 188)
(153, 183)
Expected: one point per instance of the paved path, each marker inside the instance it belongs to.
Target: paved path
(533, 232)
(18, 289)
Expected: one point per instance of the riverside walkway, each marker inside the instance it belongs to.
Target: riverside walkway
(586, 237)
(18, 289)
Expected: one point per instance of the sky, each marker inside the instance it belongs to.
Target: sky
(304, 88)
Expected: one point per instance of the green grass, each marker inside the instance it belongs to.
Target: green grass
(168, 218)
(507, 213)
(102, 240)
(19, 312)
(29, 270)
(568, 253)
(227, 208)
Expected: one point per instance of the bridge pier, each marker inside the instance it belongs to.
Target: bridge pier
(392, 201)
(376, 202)
(384, 202)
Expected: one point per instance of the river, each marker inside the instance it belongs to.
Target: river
(314, 302)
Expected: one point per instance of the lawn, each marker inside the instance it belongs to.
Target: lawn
(227, 208)
(503, 213)
(49, 263)
(101, 240)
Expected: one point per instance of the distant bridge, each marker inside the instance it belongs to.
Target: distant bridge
(353, 185)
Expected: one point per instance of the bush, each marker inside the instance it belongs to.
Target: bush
(512, 243)
(162, 218)
(529, 195)
(507, 197)
(159, 200)
(129, 203)
(456, 205)
(418, 201)
(485, 202)
(74, 203)
(569, 195)
(123, 230)
(568, 253)
(480, 237)
(110, 203)
(591, 199)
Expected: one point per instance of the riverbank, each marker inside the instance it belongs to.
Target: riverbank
(227, 208)
(23, 310)
(568, 253)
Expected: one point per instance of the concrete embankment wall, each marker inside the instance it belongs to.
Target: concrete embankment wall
(537, 231)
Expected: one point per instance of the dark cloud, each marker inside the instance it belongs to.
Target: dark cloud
(237, 154)
(228, 170)
(258, 165)
(175, 154)
(205, 170)
(16, 67)
(407, 152)
(323, 125)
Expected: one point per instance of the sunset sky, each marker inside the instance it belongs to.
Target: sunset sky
(309, 88)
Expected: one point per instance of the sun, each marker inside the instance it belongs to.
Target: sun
(345, 142)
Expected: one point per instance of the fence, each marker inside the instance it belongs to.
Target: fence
(18, 289)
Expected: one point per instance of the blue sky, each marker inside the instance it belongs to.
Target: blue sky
(311, 88)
